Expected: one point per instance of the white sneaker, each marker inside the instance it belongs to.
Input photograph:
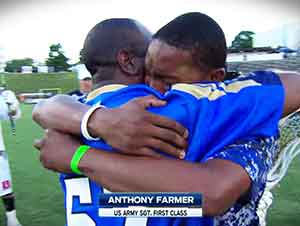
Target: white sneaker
(10, 224)
(13, 224)
(11, 219)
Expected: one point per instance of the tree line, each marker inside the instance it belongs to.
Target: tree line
(56, 60)
(59, 62)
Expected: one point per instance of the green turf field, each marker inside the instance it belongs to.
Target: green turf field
(26, 83)
(40, 201)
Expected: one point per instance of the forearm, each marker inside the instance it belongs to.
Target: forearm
(291, 84)
(123, 173)
(60, 112)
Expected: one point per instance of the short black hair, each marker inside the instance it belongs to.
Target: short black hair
(108, 37)
(199, 34)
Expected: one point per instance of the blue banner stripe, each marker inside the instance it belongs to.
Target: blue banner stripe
(111, 200)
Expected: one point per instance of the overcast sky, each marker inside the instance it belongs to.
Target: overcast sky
(28, 27)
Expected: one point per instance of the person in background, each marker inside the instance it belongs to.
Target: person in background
(9, 110)
(85, 83)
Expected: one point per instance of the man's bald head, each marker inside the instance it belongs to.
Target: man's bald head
(109, 37)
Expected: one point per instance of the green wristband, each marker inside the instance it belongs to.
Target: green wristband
(79, 153)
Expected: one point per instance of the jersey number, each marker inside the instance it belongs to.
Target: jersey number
(81, 187)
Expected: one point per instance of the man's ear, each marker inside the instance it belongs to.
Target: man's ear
(218, 75)
(127, 62)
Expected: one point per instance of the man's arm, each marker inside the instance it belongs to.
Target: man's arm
(221, 182)
(291, 84)
(64, 113)
(116, 126)
(61, 112)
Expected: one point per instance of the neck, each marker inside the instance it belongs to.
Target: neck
(104, 76)
(104, 83)
(107, 76)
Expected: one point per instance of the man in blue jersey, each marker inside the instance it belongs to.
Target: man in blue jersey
(234, 171)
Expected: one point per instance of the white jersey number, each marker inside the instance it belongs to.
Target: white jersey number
(78, 187)
(81, 187)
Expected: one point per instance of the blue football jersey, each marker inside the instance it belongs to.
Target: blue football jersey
(216, 115)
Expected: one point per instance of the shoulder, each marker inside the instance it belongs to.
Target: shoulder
(8, 94)
(262, 77)
(104, 89)
(259, 152)
(121, 92)
(74, 92)
(215, 90)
